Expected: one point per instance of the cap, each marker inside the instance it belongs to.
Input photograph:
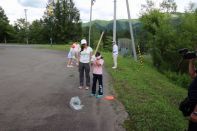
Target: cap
(83, 41)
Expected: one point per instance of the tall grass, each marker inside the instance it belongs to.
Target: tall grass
(150, 98)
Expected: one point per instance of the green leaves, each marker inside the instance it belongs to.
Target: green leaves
(4, 25)
(65, 23)
(167, 33)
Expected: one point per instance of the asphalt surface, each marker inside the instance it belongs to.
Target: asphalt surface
(35, 90)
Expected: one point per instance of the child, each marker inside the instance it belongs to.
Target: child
(71, 56)
(77, 49)
(97, 66)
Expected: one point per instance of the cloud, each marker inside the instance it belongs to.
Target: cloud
(102, 9)
(32, 3)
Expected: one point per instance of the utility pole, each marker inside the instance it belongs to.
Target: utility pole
(50, 8)
(114, 25)
(26, 26)
(90, 24)
(131, 31)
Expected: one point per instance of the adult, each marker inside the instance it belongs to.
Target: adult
(115, 54)
(192, 95)
(84, 64)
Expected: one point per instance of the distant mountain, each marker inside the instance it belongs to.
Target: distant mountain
(122, 24)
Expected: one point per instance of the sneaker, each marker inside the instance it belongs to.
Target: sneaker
(92, 94)
(87, 88)
(99, 96)
(80, 87)
(71, 66)
(68, 65)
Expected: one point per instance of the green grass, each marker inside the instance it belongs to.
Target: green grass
(54, 47)
(150, 98)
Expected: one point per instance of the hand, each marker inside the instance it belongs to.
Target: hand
(193, 117)
(93, 58)
(192, 60)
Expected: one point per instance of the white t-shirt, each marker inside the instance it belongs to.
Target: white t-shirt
(115, 49)
(85, 55)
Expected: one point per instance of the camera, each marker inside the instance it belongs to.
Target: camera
(187, 54)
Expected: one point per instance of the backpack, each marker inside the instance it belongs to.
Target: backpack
(186, 107)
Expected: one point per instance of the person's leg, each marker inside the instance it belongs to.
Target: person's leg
(94, 84)
(81, 74)
(87, 73)
(68, 64)
(100, 79)
(116, 56)
(69, 59)
(76, 58)
(115, 61)
(71, 62)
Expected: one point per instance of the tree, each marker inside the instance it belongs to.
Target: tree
(36, 32)
(5, 28)
(107, 41)
(162, 38)
(65, 22)
(188, 31)
(150, 5)
(168, 6)
(20, 29)
(167, 34)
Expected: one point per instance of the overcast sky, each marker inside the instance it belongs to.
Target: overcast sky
(102, 9)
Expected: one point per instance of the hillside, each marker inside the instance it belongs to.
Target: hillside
(122, 24)
(150, 98)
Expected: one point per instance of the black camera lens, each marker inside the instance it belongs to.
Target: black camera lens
(183, 51)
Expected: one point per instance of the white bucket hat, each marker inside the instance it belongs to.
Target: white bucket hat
(83, 41)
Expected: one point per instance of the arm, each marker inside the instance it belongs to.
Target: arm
(91, 53)
(192, 69)
(99, 62)
(78, 57)
(193, 116)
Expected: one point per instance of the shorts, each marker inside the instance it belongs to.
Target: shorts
(70, 55)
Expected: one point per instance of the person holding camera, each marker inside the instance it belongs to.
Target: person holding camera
(192, 95)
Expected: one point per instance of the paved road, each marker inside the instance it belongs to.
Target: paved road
(35, 90)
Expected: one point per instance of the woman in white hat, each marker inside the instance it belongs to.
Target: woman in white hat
(84, 59)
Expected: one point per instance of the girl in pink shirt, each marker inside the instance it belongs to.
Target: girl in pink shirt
(97, 66)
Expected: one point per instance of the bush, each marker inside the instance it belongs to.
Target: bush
(179, 79)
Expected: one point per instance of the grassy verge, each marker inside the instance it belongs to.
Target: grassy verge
(150, 98)
(54, 47)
